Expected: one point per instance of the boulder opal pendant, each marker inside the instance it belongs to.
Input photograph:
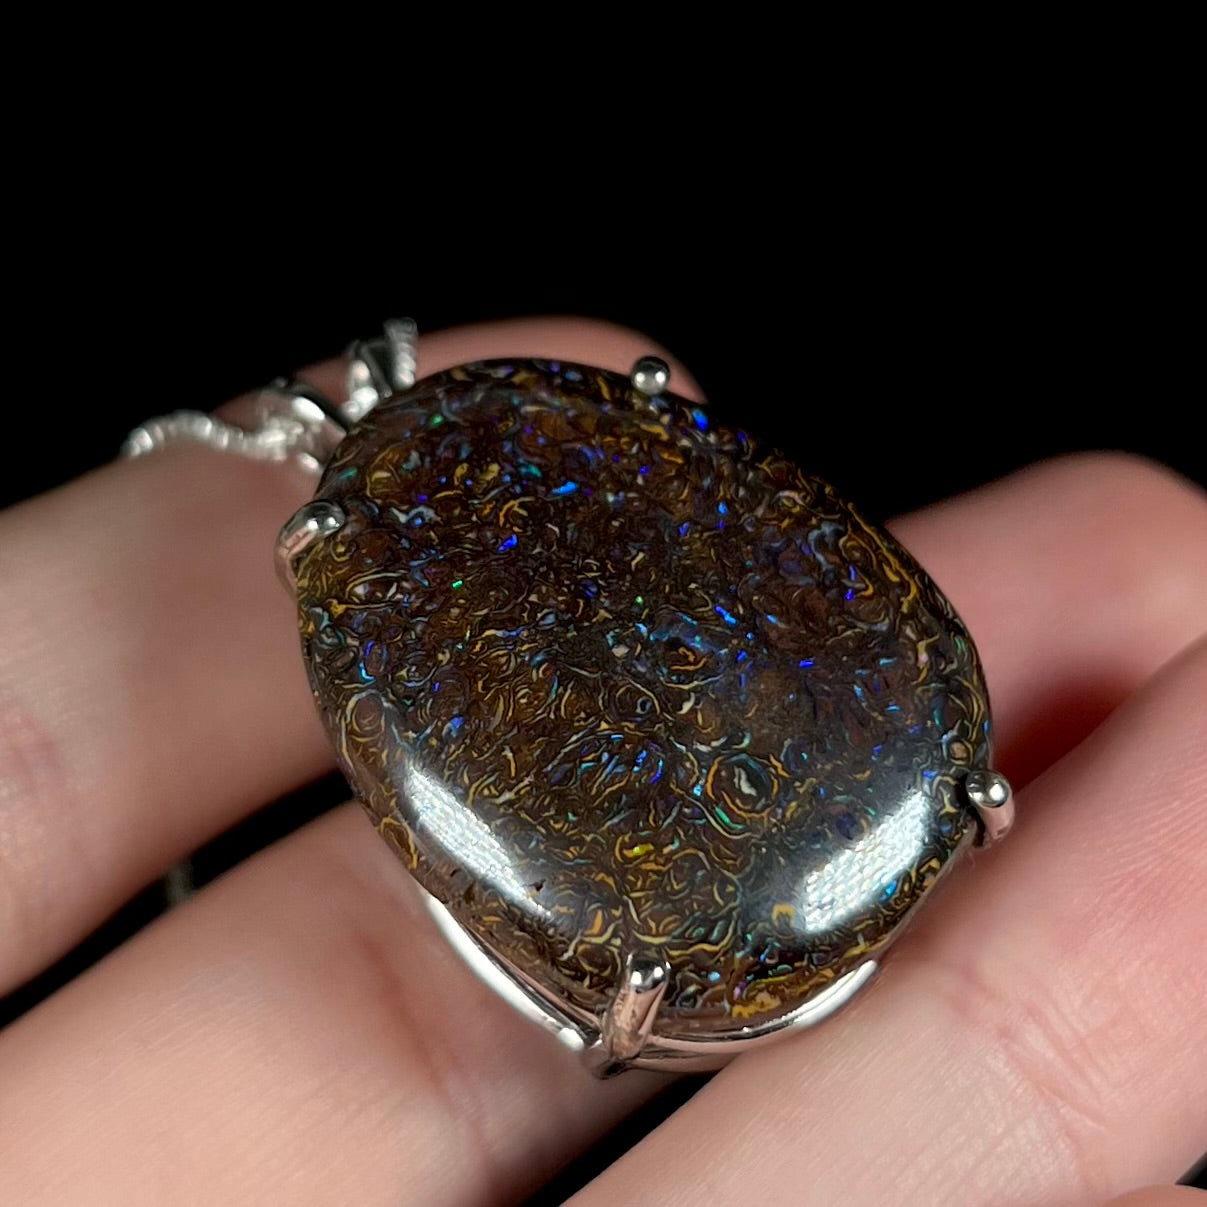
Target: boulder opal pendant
(676, 739)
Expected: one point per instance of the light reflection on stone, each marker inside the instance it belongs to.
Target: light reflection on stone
(842, 887)
(464, 837)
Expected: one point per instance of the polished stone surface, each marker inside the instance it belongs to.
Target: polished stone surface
(611, 680)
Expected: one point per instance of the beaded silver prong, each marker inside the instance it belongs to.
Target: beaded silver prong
(318, 518)
(990, 795)
(650, 376)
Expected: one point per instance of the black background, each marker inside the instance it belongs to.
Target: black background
(905, 343)
(902, 361)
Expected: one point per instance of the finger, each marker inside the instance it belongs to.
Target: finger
(1038, 1037)
(299, 1033)
(110, 729)
(151, 690)
(88, 1013)
(44, 1071)
(1078, 578)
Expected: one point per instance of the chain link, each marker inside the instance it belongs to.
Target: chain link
(277, 438)
(290, 420)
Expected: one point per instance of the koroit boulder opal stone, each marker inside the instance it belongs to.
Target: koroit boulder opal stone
(611, 681)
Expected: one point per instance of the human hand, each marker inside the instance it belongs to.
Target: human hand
(299, 1033)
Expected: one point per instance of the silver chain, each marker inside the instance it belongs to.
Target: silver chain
(290, 420)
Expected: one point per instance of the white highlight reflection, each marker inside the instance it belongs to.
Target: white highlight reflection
(464, 837)
(843, 887)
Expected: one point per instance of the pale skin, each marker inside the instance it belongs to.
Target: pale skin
(297, 1033)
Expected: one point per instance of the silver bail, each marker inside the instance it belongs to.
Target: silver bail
(380, 367)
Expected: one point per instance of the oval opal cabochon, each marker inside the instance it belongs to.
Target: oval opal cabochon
(612, 680)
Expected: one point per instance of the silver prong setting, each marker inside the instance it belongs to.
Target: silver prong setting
(630, 1018)
(634, 1010)
(629, 1022)
(989, 793)
(317, 519)
(650, 376)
